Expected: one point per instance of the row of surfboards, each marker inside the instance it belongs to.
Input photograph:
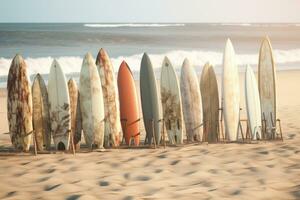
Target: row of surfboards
(107, 109)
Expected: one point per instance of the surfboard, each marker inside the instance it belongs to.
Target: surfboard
(112, 131)
(210, 103)
(91, 103)
(130, 116)
(191, 102)
(59, 102)
(267, 87)
(231, 93)
(171, 102)
(41, 115)
(76, 126)
(19, 104)
(150, 101)
(252, 104)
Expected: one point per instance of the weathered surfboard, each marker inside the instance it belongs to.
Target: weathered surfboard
(41, 115)
(252, 104)
(130, 115)
(59, 102)
(231, 93)
(171, 102)
(191, 102)
(210, 103)
(267, 87)
(76, 126)
(19, 104)
(91, 103)
(150, 101)
(112, 131)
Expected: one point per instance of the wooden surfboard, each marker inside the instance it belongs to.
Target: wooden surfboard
(191, 102)
(231, 93)
(91, 103)
(19, 104)
(150, 101)
(76, 126)
(41, 115)
(59, 102)
(129, 107)
(252, 104)
(112, 131)
(171, 102)
(210, 103)
(267, 87)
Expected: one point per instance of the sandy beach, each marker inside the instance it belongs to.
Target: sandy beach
(264, 170)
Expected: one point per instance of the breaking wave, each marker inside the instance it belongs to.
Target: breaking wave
(197, 58)
(129, 25)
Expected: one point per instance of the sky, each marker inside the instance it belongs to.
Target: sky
(108, 11)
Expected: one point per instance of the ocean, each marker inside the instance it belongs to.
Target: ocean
(39, 44)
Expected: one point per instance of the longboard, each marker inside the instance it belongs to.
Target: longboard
(191, 102)
(171, 102)
(41, 115)
(112, 133)
(267, 87)
(129, 107)
(76, 125)
(59, 102)
(150, 102)
(91, 103)
(19, 104)
(252, 104)
(210, 103)
(231, 93)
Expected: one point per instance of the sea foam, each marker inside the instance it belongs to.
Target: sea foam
(130, 25)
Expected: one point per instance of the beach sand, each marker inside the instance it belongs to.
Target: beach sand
(266, 170)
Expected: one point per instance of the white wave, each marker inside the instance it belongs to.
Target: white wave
(198, 58)
(236, 24)
(129, 25)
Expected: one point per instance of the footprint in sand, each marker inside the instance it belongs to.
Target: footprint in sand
(236, 192)
(127, 176)
(104, 183)
(51, 187)
(128, 198)
(10, 194)
(43, 179)
(157, 171)
(49, 171)
(143, 178)
(73, 197)
(175, 162)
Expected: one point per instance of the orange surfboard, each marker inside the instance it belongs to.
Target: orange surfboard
(128, 105)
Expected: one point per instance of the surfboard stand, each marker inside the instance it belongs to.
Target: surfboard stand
(280, 129)
(72, 142)
(221, 125)
(163, 132)
(247, 138)
(34, 143)
(277, 125)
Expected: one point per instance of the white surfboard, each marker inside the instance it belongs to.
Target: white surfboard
(267, 87)
(91, 103)
(59, 107)
(191, 102)
(171, 102)
(252, 104)
(231, 93)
